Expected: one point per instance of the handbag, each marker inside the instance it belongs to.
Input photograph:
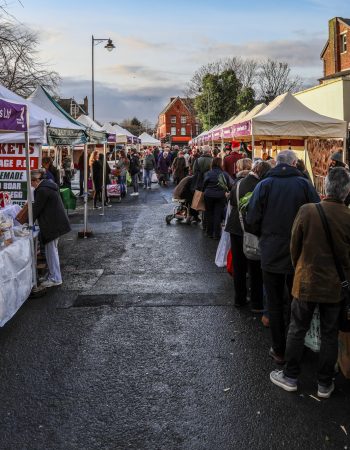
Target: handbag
(345, 285)
(251, 248)
(198, 201)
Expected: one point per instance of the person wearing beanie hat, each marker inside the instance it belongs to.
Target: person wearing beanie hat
(231, 160)
(337, 159)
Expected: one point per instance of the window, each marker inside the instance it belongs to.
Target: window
(183, 131)
(343, 43)
(183, 119)
(173, 119)
(173, 131)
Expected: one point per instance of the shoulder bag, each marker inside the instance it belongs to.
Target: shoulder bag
(251, 247)
(345, 285)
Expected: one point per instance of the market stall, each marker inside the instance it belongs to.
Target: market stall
(148, 140)
(17, 256)
(287, 121)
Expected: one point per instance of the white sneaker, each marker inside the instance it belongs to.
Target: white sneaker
(136, 193)
(50, 283)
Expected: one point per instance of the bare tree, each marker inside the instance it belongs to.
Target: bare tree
(20, 67)
(274, 78)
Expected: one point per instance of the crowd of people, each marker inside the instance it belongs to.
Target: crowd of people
(274, 201)
(283, 262)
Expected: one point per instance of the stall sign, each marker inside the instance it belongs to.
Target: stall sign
(13, 175)
(12, 116)
(242, 129)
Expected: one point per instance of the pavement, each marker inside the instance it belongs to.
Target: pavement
(141, 348)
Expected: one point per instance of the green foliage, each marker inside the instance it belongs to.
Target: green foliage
(246, 99)
(217, 100)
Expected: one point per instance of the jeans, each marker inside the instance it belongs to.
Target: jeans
(147, 177)
(278, 302)
(301, 316)
(214, 208)
(135, 182)
(53, 261)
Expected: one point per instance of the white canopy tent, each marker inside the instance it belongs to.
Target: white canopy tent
(89, 123)
(287, 116)
(38, 120)
(147, 139)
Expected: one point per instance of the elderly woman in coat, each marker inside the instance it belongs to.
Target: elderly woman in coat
(317, 282)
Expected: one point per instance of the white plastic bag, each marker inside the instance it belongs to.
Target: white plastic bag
(224, 244)
(313, 336)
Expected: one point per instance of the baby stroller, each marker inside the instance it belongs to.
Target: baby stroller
(183, 195)
(181, 212)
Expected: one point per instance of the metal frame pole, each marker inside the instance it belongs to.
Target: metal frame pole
(30, 204)
(103, 180)
(92, 79)
(86, 190)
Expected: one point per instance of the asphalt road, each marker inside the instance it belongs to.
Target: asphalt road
(142, 349)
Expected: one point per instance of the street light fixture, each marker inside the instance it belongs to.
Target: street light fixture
(109, 46)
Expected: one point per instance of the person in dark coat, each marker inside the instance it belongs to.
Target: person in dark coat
(217, 184)
(230, 161)
(134, 169)
(179, 168)
(163, 166)
(149, 165)
(97, 176)
(242, 265)
(271, 213)
(317, 282)
(201, 166)
(51, 171)
(107, 177)
(53, 221)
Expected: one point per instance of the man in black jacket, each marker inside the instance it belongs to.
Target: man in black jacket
(48, 209)
(271, 212)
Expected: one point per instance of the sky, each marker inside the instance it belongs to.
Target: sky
(159, 44)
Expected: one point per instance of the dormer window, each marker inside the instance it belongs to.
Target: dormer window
(343, 43)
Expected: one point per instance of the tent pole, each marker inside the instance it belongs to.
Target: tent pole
(30, 205)
(103, 180)
(253, 147)
(344, 149)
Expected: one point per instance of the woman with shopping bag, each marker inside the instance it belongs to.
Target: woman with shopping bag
(247, 179)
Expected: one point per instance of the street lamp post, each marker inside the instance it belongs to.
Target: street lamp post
(109, 46)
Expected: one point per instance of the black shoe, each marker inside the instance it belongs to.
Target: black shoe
(279, 359)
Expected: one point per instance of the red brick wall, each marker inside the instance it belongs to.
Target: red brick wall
(178, 109)
(344, 58)
(334, 60)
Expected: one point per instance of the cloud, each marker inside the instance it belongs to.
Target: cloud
(112, 103)
(141, 44)
(298, 53)
(143, 73)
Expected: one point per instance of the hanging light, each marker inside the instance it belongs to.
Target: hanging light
(109, 46)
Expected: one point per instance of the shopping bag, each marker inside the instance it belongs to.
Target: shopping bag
(224, 244)
(229, 263)
(344, 353)
(154, 178)
(313, 336)
(128, 179)
(198, 201)
(113, 190)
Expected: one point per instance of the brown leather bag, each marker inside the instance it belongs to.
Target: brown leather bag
(22, 216)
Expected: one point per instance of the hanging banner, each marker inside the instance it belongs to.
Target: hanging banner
(13, 176)
(65, 136)
(242, 129)
(13, 116)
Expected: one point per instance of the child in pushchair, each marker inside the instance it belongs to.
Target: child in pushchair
(183, 195)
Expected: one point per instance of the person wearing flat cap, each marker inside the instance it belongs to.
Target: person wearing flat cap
(53, 221)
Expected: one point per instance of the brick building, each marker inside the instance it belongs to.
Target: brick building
(336, 52)
(177, 123)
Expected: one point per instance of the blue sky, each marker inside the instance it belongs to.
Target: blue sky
(160, 44)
